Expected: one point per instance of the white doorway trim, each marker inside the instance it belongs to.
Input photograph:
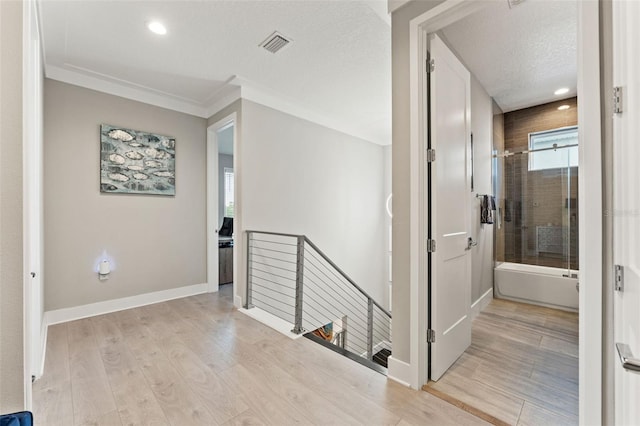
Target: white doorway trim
(33, 236)
(213, 221)
(590, 204)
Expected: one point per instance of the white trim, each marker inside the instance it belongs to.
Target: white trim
(212, 202)
(590, 211)
(235, 88)
(99, 308)
(32, 79)
(226, 98)
(264, 96)
(482, 302)
(393, 5)
(385, 344)
(43, 348)
(399, 371)
(105, 84)
(271, 321)
(589, 214)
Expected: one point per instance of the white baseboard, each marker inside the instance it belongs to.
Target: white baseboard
(482, 302)
(399, 371)
(237, 301)
(99, 308)
(271, 321)
(43, 348)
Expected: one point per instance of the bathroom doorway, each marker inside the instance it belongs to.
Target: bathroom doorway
(501, 45)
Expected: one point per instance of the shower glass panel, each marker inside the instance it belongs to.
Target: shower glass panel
(538, 200)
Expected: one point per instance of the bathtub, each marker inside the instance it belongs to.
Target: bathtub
(539, 285)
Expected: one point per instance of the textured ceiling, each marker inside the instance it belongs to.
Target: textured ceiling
(338, 65)
(527, 51)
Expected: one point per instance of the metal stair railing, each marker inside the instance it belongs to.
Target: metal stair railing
(291, 278)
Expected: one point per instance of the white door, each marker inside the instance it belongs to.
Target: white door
(449, 181)
(626, 219)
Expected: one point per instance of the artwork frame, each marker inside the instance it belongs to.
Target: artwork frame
(136, 162)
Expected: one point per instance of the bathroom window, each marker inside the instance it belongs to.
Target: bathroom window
(565, 140)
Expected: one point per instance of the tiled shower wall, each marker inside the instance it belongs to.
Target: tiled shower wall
(537, 198)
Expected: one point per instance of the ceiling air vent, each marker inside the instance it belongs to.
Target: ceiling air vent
(275, 42)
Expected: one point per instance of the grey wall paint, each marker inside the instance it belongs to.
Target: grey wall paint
(223, 161)
(156, 242)
(299, 177)
(12, 384)
(482, 129)
(401, 172)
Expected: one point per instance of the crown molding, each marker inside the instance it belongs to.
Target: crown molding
(233, 89)
(124, 89)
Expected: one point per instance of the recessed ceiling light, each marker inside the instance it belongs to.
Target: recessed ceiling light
(157, 27)
(562, 91)
(563, 107)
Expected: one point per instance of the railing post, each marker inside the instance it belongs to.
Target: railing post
(370, 329)
(345, 326)
(248, 299)
(297, 327)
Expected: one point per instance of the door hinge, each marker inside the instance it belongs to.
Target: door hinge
(618, 278)
(431, 65)
(431, 155)
(617, 100)
(431, 335)
(431, 246)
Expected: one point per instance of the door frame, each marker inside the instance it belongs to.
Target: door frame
(34, 330)
(213, 219)
(590, 202)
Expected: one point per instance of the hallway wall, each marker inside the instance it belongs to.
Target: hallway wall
(154, 242)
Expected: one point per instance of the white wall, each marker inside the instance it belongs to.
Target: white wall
(386, 151)
(155, 242)
(299, 177)
(482, 129)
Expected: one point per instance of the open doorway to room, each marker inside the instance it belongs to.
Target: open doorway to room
(221, 197)
(519, 361)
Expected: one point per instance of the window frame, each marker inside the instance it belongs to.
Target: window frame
(533, 150)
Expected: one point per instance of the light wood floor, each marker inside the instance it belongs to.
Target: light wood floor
(197, 361)
(521, 367)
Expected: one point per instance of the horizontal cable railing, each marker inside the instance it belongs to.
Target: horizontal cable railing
(291, 278)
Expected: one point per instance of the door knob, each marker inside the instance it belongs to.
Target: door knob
(626, 357)
(471, 243)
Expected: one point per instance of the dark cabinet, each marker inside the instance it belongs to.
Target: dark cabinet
(225, 265)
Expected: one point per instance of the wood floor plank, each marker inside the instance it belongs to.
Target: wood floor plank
(224, 400)
(326, 385)
(90, 389)
(248, 418)
(315, 406)
(426, 409)
(135, 401)
(199, 361)
(54, 403)
(276, 411)
(536, 416)
(481, 396)
(520, 353)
